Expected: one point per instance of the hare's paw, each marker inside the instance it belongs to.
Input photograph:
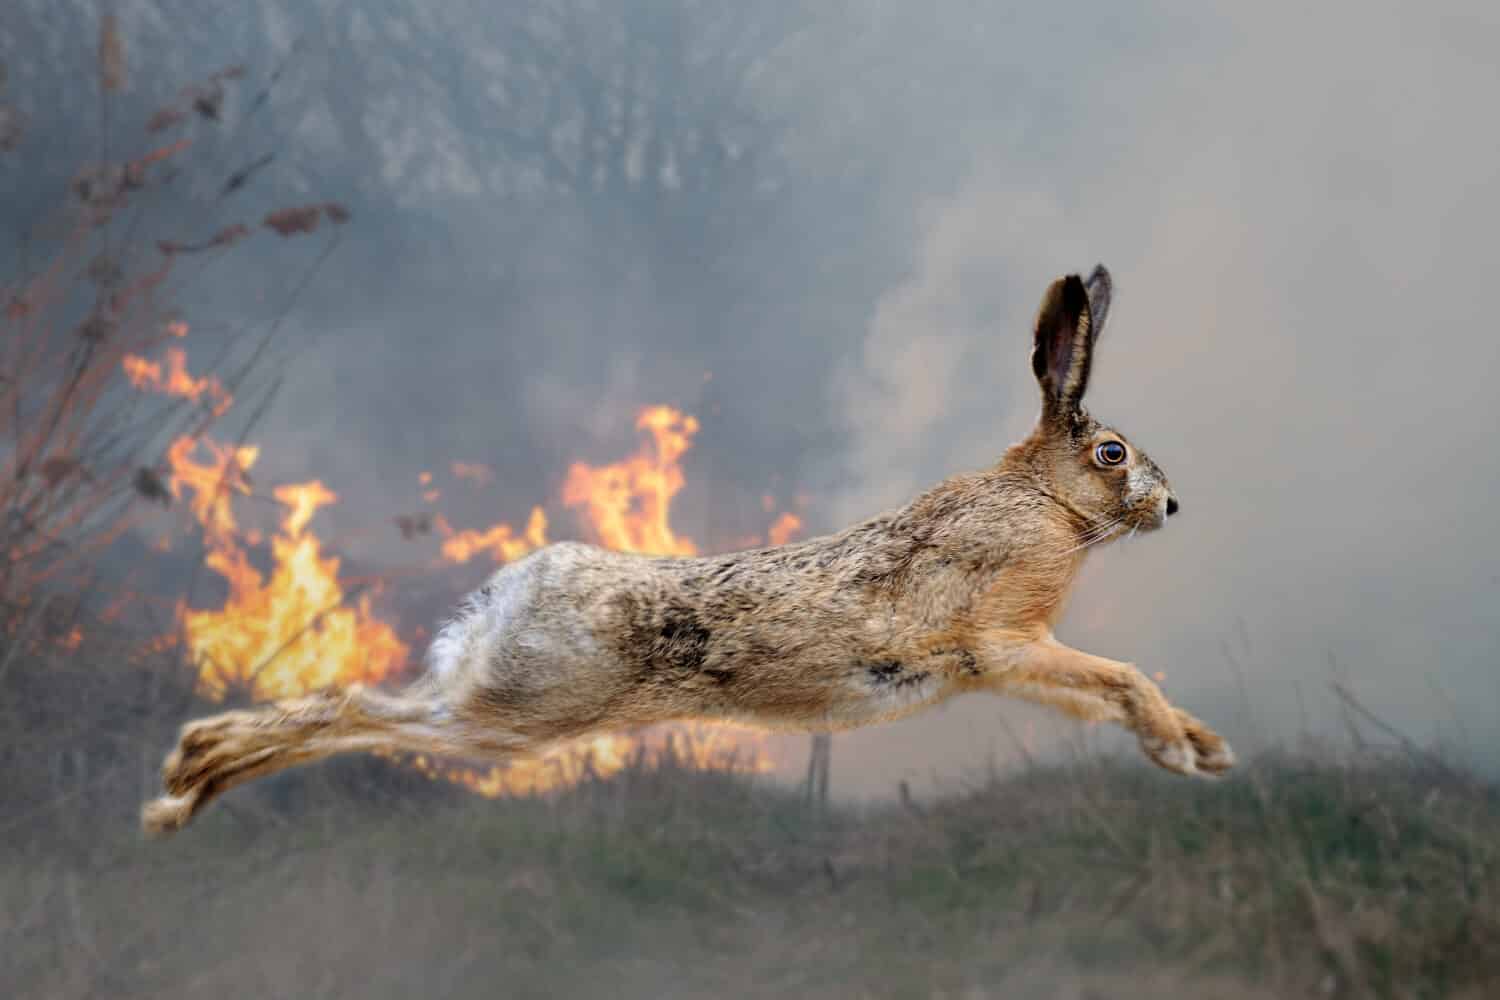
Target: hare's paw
(1212, 753)
(205, 747)
(1175, 753)
(1187, 746)
(169, 813)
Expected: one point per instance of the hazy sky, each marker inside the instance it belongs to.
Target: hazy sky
(1297, 202)
(1299, 208)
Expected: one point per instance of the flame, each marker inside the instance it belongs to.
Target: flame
(698, 746)
(176, 381)
(291, 629)
(784, 528)
(212, 482)
(500, 541)
(282, 634)
(627, 504)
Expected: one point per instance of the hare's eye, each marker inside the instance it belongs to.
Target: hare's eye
(1110, 453)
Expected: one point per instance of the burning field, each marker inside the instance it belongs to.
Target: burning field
(292, 623)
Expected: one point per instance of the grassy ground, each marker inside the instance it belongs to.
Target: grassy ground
(1302, 876)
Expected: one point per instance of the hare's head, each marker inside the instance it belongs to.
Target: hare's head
(1089, 467)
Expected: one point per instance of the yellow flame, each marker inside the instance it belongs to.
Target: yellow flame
(628, 504)
(699, 746)
(289, 631)
(282, 634)
(175, 380)
(500, 541)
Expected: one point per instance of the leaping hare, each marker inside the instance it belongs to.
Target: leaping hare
(958, 591)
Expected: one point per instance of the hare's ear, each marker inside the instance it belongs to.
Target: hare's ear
(1064, 344)
(1100, 288)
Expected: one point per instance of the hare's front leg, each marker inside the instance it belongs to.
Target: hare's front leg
(1094, 688)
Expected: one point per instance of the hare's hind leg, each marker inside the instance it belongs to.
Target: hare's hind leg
(217, 753)
(1098, 689)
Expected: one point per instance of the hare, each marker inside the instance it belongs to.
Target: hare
(958, 591)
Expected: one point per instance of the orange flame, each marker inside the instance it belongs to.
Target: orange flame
(176, 381)
(699, 746)
(500, 541)
(784, 528)
(627, 504)
(287, 633)
(212, 483)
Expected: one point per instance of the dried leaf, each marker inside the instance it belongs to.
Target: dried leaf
(230, 235)
(208, 99)
(57, 468)
(101, 185)
(149, 485)
(165, 152)
(86, 184)
(290, 221)
(104, 270)
(165, 118)
(97, 328)
(412, 525)
(10, 128)
(111, 54)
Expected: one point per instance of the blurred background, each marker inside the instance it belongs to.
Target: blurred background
(316, 312)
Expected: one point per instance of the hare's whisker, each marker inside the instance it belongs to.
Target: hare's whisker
(1095, 534)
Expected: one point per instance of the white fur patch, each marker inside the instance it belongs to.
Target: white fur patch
(447, 648)
(484, 615)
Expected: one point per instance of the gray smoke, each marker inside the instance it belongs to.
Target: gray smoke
(1297, 204)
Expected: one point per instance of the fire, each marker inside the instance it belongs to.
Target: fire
(176, 381)
(213, 483)
(500, 541)
(697, 746)
(627, 504)
(287, 632)
(293, 628)
(784, 528)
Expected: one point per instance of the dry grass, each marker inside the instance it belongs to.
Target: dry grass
(1302, 876)
(89, 322)
(1309, 875)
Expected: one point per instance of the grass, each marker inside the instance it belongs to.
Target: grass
(1314, 874)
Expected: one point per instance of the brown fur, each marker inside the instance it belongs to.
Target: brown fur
(956, 592)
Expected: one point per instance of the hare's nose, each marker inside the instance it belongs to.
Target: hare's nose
(1171, 505)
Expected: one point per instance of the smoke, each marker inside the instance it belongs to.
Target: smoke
(1298, 206)
(1299, 212)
